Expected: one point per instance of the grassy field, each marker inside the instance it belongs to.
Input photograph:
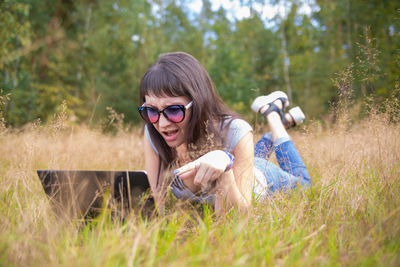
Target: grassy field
(350, 215)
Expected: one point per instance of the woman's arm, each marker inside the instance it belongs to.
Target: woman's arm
(234, 187)
(151, 165)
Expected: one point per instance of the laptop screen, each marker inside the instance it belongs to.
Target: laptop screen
(82, 193)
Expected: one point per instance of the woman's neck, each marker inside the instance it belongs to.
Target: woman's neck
(182, 153)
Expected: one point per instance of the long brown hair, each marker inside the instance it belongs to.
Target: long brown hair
(180, 74)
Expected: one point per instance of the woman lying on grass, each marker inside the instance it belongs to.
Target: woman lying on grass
(191, 131)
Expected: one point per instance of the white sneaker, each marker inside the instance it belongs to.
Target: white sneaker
(297, 115)
(264, 100)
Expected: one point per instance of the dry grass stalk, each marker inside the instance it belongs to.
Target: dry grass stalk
(349, 214)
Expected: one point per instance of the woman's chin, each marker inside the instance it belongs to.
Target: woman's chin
(174, 144)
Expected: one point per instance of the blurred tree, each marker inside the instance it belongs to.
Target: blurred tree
(15, 29)
(365, 35)
(93, 53)
(118, 44)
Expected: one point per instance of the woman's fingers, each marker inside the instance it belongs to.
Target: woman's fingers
(205, 169)
(188, 167)
(200, 175)
(217, 160)
(205, 175)
(188, 174)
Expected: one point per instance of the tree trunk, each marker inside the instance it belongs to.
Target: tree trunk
(348, 29)
(82, 50)
(286, 63)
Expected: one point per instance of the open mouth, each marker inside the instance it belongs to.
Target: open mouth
(170, 135)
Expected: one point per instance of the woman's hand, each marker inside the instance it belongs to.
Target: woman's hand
(205, 169)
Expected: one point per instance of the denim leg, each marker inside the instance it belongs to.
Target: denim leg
(264, 146)
(290, 161)
(270, 177)
(273, 178)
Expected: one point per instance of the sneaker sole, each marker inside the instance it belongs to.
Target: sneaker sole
(261, 101)
(297, 115)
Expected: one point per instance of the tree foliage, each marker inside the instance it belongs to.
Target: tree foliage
(92, 53)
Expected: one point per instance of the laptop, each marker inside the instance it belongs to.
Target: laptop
(83, 194)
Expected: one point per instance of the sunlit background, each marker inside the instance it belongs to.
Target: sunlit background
(92, 54)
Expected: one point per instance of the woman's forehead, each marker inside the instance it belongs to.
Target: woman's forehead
(166, 100)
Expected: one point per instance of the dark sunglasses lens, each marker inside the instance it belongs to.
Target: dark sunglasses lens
(152, 114)
(143, 113)
(174, 113)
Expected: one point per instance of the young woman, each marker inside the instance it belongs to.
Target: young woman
(192, 137)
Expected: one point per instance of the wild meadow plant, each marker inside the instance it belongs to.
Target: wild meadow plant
(349, 216)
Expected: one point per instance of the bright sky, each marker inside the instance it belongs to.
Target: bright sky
(235, 10)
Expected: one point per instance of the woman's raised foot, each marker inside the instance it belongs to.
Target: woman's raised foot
(266, 100)
(294, 117)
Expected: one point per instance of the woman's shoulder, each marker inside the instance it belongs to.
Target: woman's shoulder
(147, 134)
(238, 123)
(236, 129)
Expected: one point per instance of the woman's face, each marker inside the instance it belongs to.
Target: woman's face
(174, 134)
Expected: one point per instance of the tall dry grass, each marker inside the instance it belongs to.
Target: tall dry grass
(349, 216)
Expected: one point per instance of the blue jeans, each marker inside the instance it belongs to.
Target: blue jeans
(292, 170)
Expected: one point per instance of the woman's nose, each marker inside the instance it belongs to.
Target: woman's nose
(162, 121)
